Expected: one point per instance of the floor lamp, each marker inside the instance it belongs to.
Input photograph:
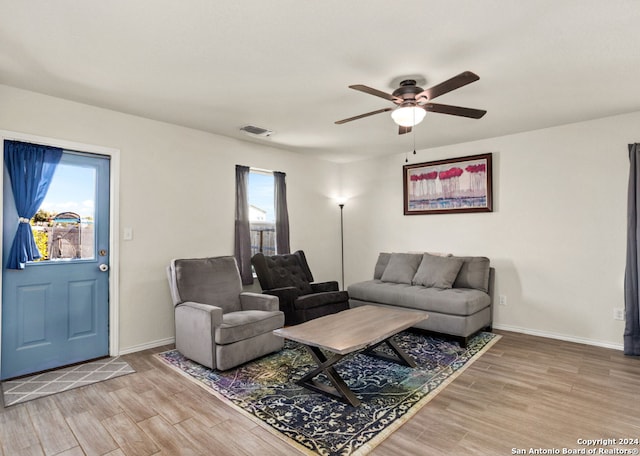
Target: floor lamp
(341, 205)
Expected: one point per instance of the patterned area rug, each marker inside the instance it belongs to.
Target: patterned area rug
(390, 393)
(39, 385)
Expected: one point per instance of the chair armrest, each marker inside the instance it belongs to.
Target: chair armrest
(196, 310)
(257, 301)
(287, 297)
(284, 293)
(195, 331)
(322, 287)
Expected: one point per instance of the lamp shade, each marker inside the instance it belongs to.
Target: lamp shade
(408, 116)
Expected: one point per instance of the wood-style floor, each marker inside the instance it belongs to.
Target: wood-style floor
(525, 392)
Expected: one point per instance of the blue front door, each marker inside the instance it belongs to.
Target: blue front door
(55, 312)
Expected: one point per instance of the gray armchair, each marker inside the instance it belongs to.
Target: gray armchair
(218, 325)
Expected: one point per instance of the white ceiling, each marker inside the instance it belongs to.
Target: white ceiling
(286, 65)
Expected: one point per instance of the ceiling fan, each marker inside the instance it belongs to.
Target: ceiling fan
(413, 102)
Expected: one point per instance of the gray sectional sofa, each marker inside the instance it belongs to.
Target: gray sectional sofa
(456, 292)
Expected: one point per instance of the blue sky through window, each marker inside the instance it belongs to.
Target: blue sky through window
(261, 193)
(72, 190)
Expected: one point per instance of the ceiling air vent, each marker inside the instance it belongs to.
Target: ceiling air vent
(256, 131)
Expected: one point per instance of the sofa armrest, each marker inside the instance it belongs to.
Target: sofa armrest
(322, 287)
(257, 301)
(195, 327)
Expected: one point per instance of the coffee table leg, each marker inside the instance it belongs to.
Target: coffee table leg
(401, 357)
(340, 390)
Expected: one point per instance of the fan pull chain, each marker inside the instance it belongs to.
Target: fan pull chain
(413, 132)
(414, 139)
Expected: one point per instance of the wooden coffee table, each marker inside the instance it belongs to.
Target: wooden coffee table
(361, 329)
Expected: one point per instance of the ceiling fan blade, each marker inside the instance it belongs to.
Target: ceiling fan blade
(339, 122)
(455, 110)
(402, 130)
(447, 86)
(376, 92)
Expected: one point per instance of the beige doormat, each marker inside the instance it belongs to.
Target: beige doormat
(44, 384)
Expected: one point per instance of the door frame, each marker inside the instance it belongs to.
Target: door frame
(114, 222)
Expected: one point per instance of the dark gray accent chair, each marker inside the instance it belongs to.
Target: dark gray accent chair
(218, 325)
(289, 278)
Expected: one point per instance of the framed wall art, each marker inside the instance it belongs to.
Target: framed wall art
(453, 185)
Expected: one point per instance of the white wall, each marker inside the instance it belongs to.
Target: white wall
(177, 192)
(556, 236)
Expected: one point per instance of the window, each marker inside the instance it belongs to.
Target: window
(63, 227)
(262, 219)
(268, 232)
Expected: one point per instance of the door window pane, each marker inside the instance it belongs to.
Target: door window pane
(64, 226)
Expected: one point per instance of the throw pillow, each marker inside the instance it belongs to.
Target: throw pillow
(381, 265)
(401, 268)
(437, 271)
(474, 273)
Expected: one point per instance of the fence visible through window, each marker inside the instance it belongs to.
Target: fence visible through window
(263, 238)
(64, 236)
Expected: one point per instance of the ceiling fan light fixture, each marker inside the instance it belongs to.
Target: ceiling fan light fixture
(408, 116)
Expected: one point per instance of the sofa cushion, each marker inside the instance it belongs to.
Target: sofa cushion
(451, 301)
(474, 273)
(245, 324)
(401, 268)
(437, 271)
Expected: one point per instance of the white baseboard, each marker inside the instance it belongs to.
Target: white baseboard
(148, 345)
(550, 335)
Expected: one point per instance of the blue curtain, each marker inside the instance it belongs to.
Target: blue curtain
(631, 278)
(282, 213)
(30, 168)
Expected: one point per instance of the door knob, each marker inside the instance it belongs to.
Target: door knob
(104, 267)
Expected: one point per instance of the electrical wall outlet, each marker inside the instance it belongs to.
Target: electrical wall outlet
(618, 313)
(503, 300)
